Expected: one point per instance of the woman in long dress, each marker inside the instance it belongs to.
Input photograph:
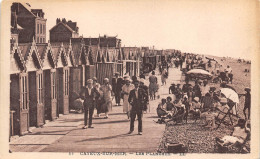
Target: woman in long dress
(99, 103)
(107, 89)
(164, 77)
(153, 86)
(127, 87)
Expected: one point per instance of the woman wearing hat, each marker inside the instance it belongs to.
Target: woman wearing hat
(127, 87)
(107, 89)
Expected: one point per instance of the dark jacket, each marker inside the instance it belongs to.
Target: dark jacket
(137, 103)
(117, 85)
(89, 99)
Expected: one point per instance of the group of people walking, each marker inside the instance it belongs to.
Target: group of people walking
(134, 94)
(96, 96)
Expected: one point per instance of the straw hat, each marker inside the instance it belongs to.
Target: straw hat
(89, 81)
(196, 99)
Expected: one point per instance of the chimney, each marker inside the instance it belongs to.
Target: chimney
(64, 20)
(57, 20)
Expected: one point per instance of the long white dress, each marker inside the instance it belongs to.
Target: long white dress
(127, 89)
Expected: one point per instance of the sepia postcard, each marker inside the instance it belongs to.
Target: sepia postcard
(129, 79)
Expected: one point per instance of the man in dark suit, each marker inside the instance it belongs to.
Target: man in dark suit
(137, 99)
(117, 83)
(145, 88)
(90, 95)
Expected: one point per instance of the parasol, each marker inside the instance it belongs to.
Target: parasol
(199, 73)
(230, 94)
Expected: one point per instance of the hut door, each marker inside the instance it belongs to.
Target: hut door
(40, 106)
(66, 91)
(24, 103)
(53, 95)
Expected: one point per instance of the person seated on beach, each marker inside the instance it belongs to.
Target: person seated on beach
(161, 109)
(195, 108)
(169, 104)
(180, 112)
(222, 107)
(177, 103)
(238, 136)
(209, 116)
(172, 88)
(207, 102)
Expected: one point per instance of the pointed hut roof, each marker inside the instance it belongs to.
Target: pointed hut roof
(17, 61)
(31, 56)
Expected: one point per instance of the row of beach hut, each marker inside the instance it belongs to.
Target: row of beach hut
(45, 79)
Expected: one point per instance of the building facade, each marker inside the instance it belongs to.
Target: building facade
(63, 31)
(31, 22)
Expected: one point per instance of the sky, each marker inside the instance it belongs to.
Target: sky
(216, 27)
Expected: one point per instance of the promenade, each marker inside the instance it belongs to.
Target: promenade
(109, 135)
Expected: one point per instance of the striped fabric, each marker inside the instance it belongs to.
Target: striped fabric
(105, 70)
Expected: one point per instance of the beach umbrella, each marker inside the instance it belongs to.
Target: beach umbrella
(230, 94)
(199, 73)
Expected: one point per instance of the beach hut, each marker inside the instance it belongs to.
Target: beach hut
(49, 81)
(19, 97)
(35, 83)
(130, 67)
(62, 78)
(77, 71)
(90, 68)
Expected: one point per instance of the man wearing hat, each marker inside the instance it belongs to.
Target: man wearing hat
(117, 83)
(89, 94)
(137, 99)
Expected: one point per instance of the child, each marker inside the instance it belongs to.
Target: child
(238, 135)
(187, 106)
(195, 108)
